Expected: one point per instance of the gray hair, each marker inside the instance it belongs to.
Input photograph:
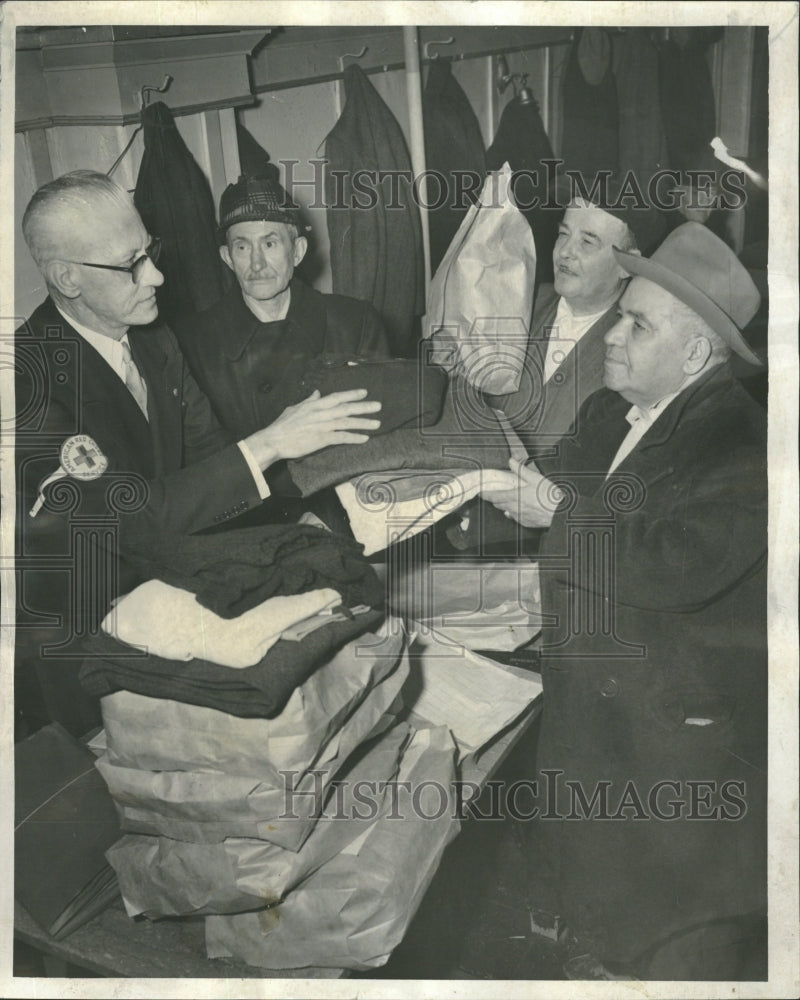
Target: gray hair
(629, 243)
(74, 194)
(695, 326)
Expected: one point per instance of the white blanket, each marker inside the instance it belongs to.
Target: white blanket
(169, 622)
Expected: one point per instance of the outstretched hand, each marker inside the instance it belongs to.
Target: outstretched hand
(529, 498)
(316, 422)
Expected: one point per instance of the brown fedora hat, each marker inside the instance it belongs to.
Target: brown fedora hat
(696, 267)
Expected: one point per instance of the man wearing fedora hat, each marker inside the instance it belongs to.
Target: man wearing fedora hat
(652, 753)
(271, 322)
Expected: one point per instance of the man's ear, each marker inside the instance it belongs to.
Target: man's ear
(300, 248)
(225, 253)
(699, 353)
(62, 275)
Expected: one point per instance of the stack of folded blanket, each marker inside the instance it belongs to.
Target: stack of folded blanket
(236, 621)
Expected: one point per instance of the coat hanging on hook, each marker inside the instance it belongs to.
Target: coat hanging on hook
(175, 202)
(453, 143)
(521, 141)
(376, 251)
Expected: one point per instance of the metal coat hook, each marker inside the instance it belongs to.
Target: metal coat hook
(144, 98)
(519, 81)
(351, 55)
(436, 41)
(339, 84)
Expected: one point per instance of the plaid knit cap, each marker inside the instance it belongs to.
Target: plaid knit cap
(256, 199)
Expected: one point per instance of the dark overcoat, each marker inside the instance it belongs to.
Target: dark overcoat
(655, 669)
(373, 215)
(239, 362)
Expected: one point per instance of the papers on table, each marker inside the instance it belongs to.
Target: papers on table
(473, 696)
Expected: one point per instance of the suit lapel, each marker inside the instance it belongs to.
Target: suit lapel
(647, 459)
(581, 375)
(162, 371)
(105, 408)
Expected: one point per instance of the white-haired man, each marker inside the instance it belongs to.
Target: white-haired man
(103, 395)
(652, 750)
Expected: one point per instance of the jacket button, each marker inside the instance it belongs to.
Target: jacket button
(174, 392)
(609, 688)
(266, 386)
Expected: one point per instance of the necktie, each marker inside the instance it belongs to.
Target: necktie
(133, 379)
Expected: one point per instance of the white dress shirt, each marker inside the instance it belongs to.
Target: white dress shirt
(112, 353)
(642, 419)
(569, 329)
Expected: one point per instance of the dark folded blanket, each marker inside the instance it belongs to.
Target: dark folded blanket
(260, 691)
(467, 436)
(233, 572)
(411, 393)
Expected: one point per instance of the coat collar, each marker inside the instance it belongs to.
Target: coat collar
(146, 350)
(693, 395)
(306, 313)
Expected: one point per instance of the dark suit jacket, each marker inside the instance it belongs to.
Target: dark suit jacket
(175, 473)
(240, 362)
(543, 414)
(656, 581)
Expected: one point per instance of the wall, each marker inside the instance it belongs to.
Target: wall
(288, 117)
(290, 123)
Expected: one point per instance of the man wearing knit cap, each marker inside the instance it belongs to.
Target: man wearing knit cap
(652, 753)
(271, 323)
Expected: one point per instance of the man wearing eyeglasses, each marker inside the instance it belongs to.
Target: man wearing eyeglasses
(113, 435)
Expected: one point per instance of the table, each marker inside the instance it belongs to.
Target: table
(114, 945)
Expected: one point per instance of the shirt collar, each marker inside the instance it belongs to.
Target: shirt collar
(651, 413)
(564, 312)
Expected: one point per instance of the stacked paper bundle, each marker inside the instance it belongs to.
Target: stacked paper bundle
(231, 816)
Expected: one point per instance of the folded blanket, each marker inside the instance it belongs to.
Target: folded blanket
(379, 518)
(235, 571)
(467, 436)
(252, 692)
(169, 622)
(411, 392)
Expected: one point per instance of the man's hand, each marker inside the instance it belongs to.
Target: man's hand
(529, 498)
(316, 423)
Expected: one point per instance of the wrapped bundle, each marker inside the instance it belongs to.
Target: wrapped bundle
(160, 877)
(356, 908)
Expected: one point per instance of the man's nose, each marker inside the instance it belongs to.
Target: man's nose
(567, 247)
(151, 275)
(257, 259)
(616, 335)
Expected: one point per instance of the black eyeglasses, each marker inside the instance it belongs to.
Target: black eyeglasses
(153, 252)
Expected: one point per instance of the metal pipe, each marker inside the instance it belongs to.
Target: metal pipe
(417, 136)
